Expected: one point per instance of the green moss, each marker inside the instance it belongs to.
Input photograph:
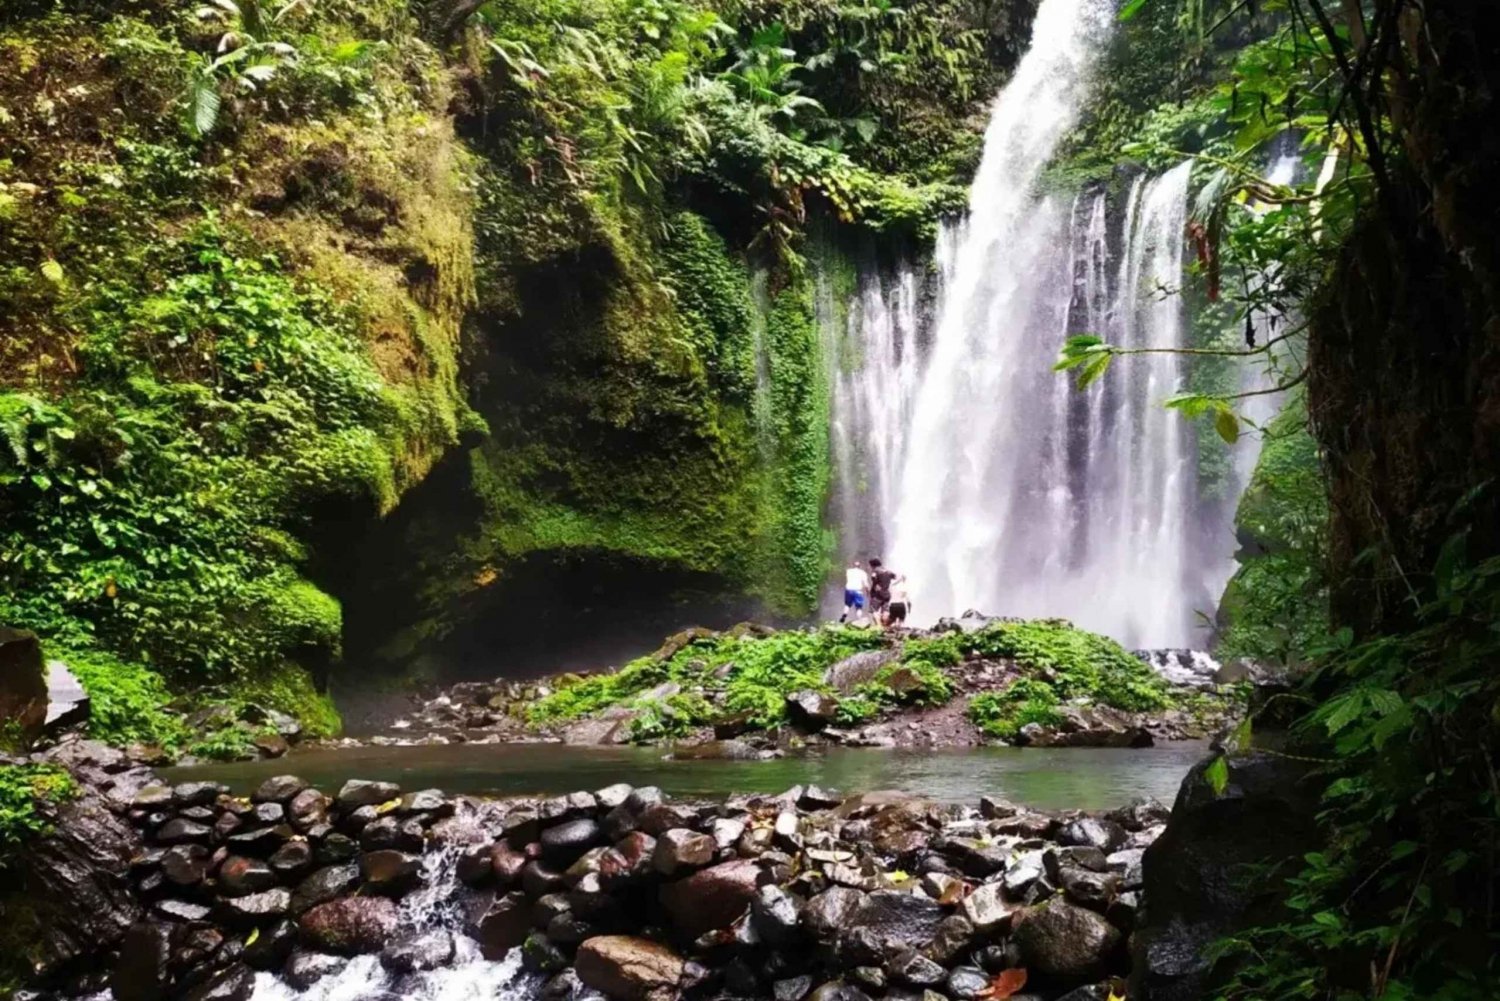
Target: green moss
(1276, 605)
(127, 700)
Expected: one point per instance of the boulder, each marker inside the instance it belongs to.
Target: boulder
(853, 671)
(322, 886)
(1094, 832)
(390, 873)
(503, 925)
(140, 973)
(811, 711)
(563, 843)
(185, 865)
(987, 908)
(831, 911)
(896, 920)
(278, 789)
(23, 682)
(304, 968)
(357, 793)
(239, 876)
(350, 925)
(629, 968)
(711, 898)
(415, 951)
(233, 983)
(775, 915)
(292, 860)
(255, 909)
(1193, 873)
(1064, 941)
(681, 848)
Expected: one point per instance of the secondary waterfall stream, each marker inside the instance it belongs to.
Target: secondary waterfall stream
(981, 474)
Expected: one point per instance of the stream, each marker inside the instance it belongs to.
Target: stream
(1042, 778)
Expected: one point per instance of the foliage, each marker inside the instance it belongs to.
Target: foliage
(127, 700)
(1276, 605)
(749, 674)
(23, 788)
(922, 683)
(1402, 880)
(1026, 700)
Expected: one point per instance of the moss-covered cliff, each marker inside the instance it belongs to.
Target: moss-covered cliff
(264, 267)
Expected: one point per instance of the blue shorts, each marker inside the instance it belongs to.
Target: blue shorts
(854, 599)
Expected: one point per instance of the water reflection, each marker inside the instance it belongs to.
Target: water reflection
(1059, 778)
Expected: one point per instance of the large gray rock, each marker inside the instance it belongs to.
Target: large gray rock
(1194, 881)
(630, 968)
(853, 671)
(67, 701)
(711, 898)
(1065, 941)
(358, 792)
(895, 920)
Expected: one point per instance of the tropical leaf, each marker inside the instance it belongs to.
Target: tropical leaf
(1217, 775)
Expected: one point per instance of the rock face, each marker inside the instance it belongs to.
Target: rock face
(23, 685)
(1192, 873)
(73, 894)
(623, 966)
(1066, 942)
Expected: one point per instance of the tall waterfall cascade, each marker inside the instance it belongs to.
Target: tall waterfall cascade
(988, 479)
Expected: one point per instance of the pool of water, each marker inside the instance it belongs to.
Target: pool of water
(1052, 779)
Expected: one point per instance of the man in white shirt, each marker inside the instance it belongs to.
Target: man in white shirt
(856, 584)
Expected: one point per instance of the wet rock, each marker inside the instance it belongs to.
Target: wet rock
(630, 968)
(506, 864)
(185, 865)
(392, 833)
(292, 860)
(987, 908)
(1025, 871)
(791, 989)
(268, 814)
(429, 801)
(272, 946)
(304, 968)
(1054, 860)
(975, 858)
(711, 898)
(357, 793)
(197, 793)
(1065, 941)
(307, 808)
(1093, 890)
(255, 909)
(776, 915)
(681, 848)
(565, 842)
(612, 796)
(837, 990)
(390, 873)
(991, 808)
(659, 818)
(538, 879)
(1140, 814)
(181, 910)
(239, 876)
(899, 920)
(179, 831)
(414, 951)
(278, 789)
(153, 797)
(954, 937)
(811, 711)
(725, 831)
(322, 886)
(833, 910)
(564, 987)
(260, 843)
(335, 847)
(817, 798)
(503, 925)
(1105, 835)
(350, 925)
(228, 824)
(911, 967)
(235, 983)
(140, 973)
(540, 955)
(966, 982)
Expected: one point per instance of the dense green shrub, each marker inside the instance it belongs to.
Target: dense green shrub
(22, 787)
(1026, 700)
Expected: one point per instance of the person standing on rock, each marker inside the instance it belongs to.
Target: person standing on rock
(880, 589)
(900, 603)
(856, 584)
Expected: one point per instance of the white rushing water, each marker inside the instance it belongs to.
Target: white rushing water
(986, 478)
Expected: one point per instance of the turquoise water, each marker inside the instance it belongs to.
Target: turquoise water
(1053, 779)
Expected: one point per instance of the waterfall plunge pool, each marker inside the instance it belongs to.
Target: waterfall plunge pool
(1042, 778)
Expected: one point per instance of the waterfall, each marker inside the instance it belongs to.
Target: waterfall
(985, 477)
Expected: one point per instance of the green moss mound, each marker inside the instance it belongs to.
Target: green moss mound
(23, 788)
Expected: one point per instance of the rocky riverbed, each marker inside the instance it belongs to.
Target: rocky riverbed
(189, 892)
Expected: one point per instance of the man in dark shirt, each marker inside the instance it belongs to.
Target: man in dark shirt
(880, 589)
